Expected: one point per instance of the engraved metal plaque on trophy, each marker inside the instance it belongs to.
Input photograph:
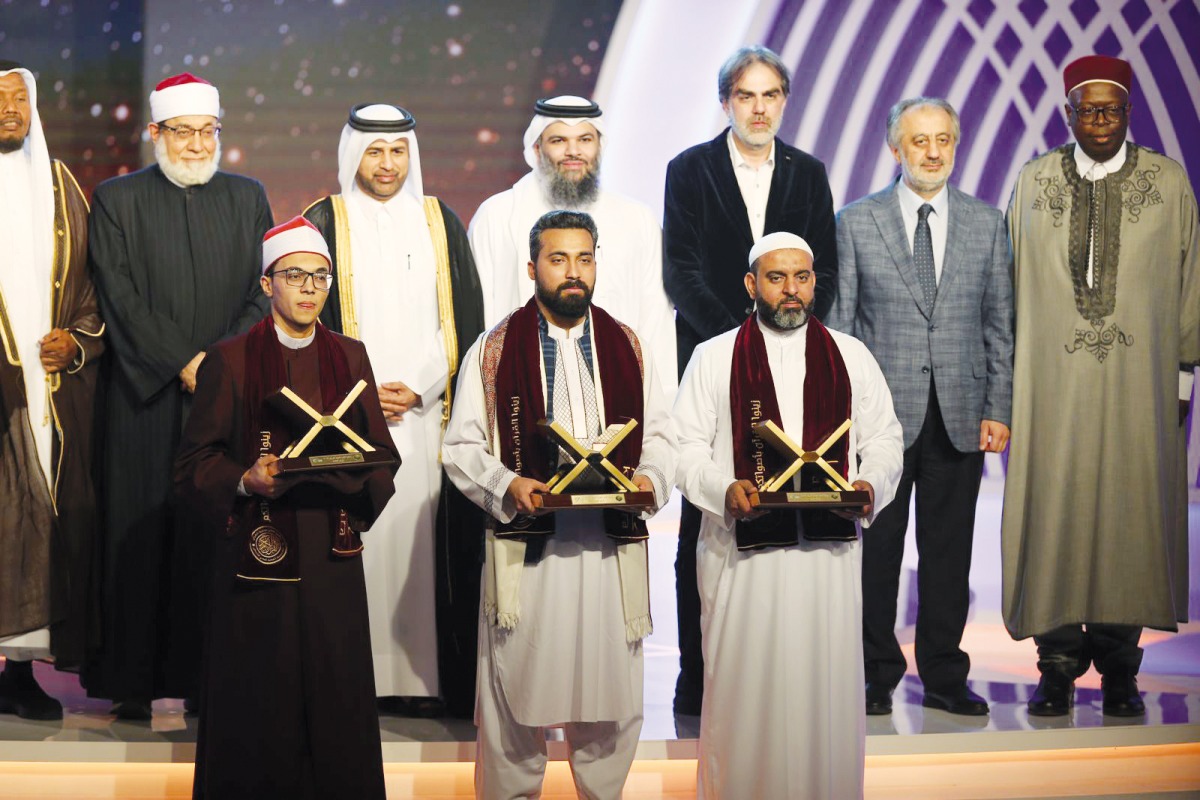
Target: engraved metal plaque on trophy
(597, 482)
(821, 486)
(328, 442)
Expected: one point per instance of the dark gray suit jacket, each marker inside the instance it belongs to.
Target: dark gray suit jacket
(964, 343)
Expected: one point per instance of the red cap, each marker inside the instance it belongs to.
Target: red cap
(179, 80)
(1097, 68)
(297, 235)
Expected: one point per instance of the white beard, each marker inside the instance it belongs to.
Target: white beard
(186, 173)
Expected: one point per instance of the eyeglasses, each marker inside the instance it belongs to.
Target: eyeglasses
(322, 279)
(184, 134)
(1089, 113)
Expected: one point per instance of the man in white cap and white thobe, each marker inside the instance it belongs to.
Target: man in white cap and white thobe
(781, 597)
(407, 287)
(566, 602)
(563, 146)
(176, 249)
(51, 334)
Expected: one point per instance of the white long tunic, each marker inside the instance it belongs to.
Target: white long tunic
(396, 295)
(567, 659)
(628, 264)
(783, 712)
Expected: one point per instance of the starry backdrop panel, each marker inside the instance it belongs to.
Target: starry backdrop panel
(289, 70)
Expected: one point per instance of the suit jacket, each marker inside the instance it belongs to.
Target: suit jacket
(707, 237)
(965, 342)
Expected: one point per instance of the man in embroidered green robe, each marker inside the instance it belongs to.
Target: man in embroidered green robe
(50, 344)
(407, 287)
(1107, 257)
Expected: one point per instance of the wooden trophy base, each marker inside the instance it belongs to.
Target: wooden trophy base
(628, 501)
(333, 461)
(802, 500)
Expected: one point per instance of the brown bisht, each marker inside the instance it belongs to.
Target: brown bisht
(47, 533)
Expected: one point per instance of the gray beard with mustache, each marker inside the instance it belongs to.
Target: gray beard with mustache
(782, 320)
(566, 193)
(184, 173)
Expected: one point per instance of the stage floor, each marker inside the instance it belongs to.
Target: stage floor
(1004, 672)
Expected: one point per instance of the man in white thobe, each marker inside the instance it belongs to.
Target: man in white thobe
(566, 602)
(405, 284)
(563, 145)
(782, 710)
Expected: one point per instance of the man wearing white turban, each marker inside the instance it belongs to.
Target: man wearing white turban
(563, 146)
(176, 250)
(780, 592)
(406, 286)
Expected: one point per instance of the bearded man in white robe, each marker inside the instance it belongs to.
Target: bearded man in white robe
(563, 146)
(566, 596)
(780, 591)
(407, 287)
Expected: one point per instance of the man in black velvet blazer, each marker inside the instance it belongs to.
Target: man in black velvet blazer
(721, 197)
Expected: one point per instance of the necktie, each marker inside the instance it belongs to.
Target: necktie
(923, 255)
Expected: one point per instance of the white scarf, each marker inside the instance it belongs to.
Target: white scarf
(27, 228)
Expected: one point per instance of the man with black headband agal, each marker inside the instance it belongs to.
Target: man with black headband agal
(563, 147)
(175, 248)
(407, 287)
(288, 699)
(51, 334)
(782, 714)
(1106, 242)
(566, 603)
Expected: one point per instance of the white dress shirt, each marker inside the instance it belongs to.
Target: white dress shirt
(755, 184)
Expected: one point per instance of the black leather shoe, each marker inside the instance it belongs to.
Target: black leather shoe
(25, 698)
(688, 697)
(133, 710)
(957, 701)
(1121, 696)
(1054, 696)
(879, 700)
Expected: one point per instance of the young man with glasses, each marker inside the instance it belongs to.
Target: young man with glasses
(1107, 286)
(175, 248)
(288, 700)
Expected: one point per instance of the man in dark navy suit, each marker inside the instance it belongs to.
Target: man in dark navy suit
(721, 197)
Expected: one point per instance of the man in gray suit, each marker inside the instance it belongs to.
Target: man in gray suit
(924, 279)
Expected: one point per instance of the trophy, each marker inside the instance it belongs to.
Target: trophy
(588, 464)
(340, 447)
(834, 492)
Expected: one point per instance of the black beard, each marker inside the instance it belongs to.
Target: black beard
(785, 320)
(566, 307)
(11, 145)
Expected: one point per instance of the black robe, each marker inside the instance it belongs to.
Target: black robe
(459, 524)
(288, 697)
(707, 236)
(176, 271)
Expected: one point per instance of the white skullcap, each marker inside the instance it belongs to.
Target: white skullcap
(184, 95)
(780, 240)
(297, 235)
(546, 116)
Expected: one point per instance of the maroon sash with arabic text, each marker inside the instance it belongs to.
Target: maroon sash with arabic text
(826, 406)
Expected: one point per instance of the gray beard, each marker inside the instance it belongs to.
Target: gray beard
(565, 193)
(183, 174)
(784, 320)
